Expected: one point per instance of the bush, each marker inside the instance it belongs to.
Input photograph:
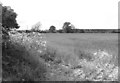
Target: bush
(5, 34)
(17, 67)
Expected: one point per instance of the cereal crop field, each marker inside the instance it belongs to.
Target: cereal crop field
(83, 41)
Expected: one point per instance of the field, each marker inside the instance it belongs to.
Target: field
(83, 41)
(61, 57)
(73, 44)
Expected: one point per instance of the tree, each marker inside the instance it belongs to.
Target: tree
(36, 27)
(67, 27)
(60, 31)
(9, 18)
(52, 29)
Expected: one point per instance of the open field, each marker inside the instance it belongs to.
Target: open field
(60, 57)
(83, 41)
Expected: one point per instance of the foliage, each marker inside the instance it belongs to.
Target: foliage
(18, 68)
(9, 18)
(60, 31)
(36, 27)
(52, 29)
(89, 30)
(24, 58)
(5, 34)
(18, 62)
(67, 27)
(8, 21)
(97, 67)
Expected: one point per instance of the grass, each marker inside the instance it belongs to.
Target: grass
(87, 42)
(24, 57)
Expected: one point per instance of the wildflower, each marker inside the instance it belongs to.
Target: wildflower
(114, 74)
(78, 72)
(39, 51)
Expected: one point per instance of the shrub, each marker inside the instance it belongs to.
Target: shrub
(17, 67)
(5, 34)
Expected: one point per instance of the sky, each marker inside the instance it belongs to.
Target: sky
(83, 14)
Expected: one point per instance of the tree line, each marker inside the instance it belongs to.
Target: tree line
(70, 28)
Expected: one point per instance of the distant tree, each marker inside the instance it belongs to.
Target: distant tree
(9, 18)
(60, 31)
(68, 27)
(78, 31)
(52, 29)
(36, 27)
(114, 31)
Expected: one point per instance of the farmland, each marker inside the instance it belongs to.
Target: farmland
(67, 54)
(83, 41)
(61, 57)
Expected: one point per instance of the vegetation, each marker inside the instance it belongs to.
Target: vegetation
(75, 31)
(8, 21)
(67, 27)
(36, 27)
(26, 57)
(9, 18)
(19, 63)
(16, 67)
(52, 29)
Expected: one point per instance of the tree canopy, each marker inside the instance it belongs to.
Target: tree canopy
(9, 18)
(52, 29)
(67, 27)
(36, 27)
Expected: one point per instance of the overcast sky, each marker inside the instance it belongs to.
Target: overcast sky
(84, 14)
